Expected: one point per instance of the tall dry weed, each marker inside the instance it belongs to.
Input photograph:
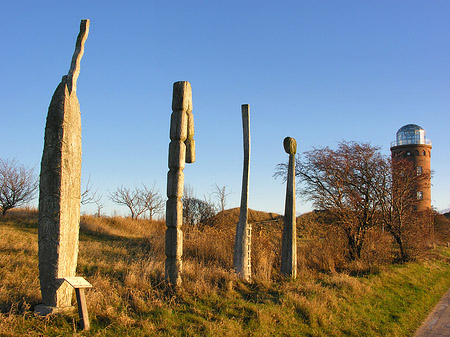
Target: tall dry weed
(209, 245)
(266, 251)
(377, 250)
(325, 255)
(120, 226)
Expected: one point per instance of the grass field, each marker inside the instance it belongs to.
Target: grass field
(124, 261)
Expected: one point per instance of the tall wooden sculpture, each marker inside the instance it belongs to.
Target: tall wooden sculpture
(181, 151)
(289, 241)
(242, 245)
(59, 188)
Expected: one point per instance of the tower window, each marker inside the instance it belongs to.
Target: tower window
(419, 195)
(424, 153)
(419, 170)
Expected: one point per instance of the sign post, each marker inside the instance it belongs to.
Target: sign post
(80, 284)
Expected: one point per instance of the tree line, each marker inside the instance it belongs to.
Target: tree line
(19, 185)
(354, 186)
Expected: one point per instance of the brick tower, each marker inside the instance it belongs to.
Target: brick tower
(411, 144)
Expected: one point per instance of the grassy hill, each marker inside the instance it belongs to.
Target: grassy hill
(124, 260)
(231, 216)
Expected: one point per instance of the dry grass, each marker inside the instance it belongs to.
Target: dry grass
(18, 270)
(119, 226)
(124, 261)
(442, 229)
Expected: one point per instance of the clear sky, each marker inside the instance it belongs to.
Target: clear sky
(319, 71)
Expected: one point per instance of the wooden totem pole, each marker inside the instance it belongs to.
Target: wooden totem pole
(181, 151)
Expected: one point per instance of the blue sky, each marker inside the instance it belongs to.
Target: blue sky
(318, 71)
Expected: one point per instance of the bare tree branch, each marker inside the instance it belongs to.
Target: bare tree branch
(139, 200)
(129, 198)
(221, 193)
(99, 205)
(152, 200)
(398, 204)
(87, 197)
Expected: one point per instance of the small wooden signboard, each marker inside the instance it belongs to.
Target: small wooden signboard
(80, 284)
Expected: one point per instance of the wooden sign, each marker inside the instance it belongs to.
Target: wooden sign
(78, 282)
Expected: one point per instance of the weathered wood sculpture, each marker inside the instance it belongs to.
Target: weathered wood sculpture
(59, 188)
(242, 245)
(289, 241)
(181, 150)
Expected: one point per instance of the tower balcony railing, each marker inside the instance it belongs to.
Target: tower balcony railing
(410, 142)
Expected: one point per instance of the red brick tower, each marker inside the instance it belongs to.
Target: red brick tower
(412, 145)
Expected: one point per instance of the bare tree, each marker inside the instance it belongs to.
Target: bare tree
(100, 205)
(344, 183)
(205, 210)
(152, 200)
(195, 210)
(398, 204)
(221, 193)
(129, 198)
(359, 189)
(198, 211)
(18, 185)
(139, 200)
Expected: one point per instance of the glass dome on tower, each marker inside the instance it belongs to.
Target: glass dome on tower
(410, 134)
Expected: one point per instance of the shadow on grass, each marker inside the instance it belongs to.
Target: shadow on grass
(256, 293)
(19, 304)
(17, 251)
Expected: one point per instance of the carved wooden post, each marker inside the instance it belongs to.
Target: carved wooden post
(242, 244)
(59, 188)
(289, 241)
(181, 150)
